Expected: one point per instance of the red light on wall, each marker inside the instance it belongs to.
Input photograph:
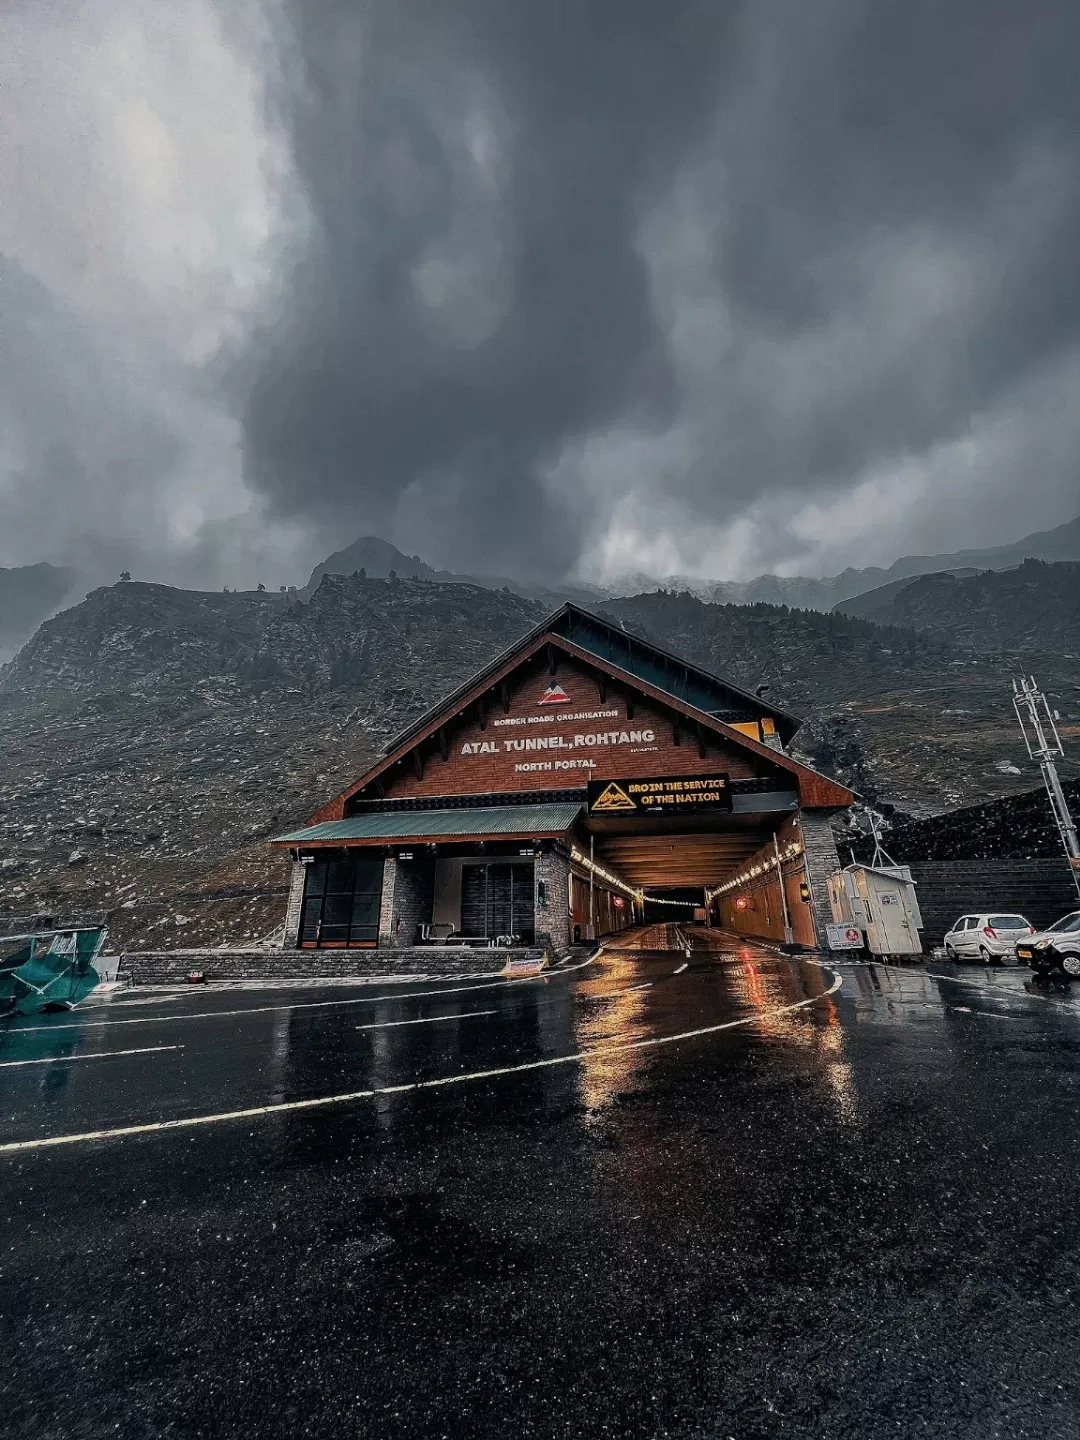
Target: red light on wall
(742, 903)
(619, 902)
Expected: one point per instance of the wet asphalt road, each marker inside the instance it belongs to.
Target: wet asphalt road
(853, 1213)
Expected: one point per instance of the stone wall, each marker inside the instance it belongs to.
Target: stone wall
(553, 923)
(408, 897)
(295, 906)
(1040, 890)
(162, 967)
(386, 908)
(821, 860)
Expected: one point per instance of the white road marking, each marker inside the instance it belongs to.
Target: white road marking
(647, 986)
(318, 1102)
(681, 968)
(426, 1020)
(299, 1005)
(987, 1014)
(93, 1055)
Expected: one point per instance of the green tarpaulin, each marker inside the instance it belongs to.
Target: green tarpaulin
(52, 970)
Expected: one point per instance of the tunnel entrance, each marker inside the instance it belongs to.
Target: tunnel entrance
(741, 872)
(573, 785)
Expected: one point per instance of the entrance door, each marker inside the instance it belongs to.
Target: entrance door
(497, 899)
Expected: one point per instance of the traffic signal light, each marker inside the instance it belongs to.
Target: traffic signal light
(804, 891)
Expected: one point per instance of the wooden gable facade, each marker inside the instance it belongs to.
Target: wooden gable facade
(551, 716)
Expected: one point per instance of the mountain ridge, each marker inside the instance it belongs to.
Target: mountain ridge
(152, 739)
(1062, 543)
(1034, 606)
(29, 593)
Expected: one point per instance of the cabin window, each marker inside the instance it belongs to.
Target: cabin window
(342, 898)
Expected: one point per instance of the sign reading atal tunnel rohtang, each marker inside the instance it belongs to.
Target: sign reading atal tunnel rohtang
(663, 795)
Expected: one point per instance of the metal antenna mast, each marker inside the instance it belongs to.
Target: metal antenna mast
(1043, 744)
(881, 855)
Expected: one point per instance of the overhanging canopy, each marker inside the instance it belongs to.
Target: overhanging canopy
(396, 827)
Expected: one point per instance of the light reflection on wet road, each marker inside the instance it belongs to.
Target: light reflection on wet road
(844, 1208)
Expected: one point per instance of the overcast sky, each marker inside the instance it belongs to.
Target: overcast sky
(536, 287)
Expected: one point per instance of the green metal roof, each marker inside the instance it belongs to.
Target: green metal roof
(395, 825)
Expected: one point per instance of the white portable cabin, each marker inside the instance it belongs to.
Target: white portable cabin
(880, 901)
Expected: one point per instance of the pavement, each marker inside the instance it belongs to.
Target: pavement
(690, 1188)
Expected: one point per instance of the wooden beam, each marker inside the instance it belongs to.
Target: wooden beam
(629, 704)
(504, 696)
(417, 763)
(444, 749)
(676, 733)
(701, 741)
(481, 713)
(552, 659)
(601, 688)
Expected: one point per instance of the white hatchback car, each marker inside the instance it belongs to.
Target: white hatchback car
(987, 938)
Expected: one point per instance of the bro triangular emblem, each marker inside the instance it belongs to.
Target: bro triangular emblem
(612, 799)
(554, 695)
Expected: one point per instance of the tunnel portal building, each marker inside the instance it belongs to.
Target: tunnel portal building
(581, 776)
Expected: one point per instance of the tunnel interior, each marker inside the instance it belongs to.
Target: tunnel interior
(743, 873)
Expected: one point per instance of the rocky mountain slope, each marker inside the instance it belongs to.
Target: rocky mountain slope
(152, 739)
(376, 559)
(152, 640)
(1016, 827)
(1035, 607)
(905, 717)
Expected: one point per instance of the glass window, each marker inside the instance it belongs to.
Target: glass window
(342, 898)
(340, 877)
(337, 910)
(309, 924)
(1067, 923)
(365, 910)
(1007, 922)
(369, 877)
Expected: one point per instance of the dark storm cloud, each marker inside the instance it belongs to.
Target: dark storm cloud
(363, 389)
(879, 202)
(536, 286)
(80, 444)
(955, 126)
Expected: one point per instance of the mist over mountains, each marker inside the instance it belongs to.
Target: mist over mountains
(807, 593)
(31, 593)
(377, 558)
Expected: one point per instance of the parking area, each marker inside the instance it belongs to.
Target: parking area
(689, 1187)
